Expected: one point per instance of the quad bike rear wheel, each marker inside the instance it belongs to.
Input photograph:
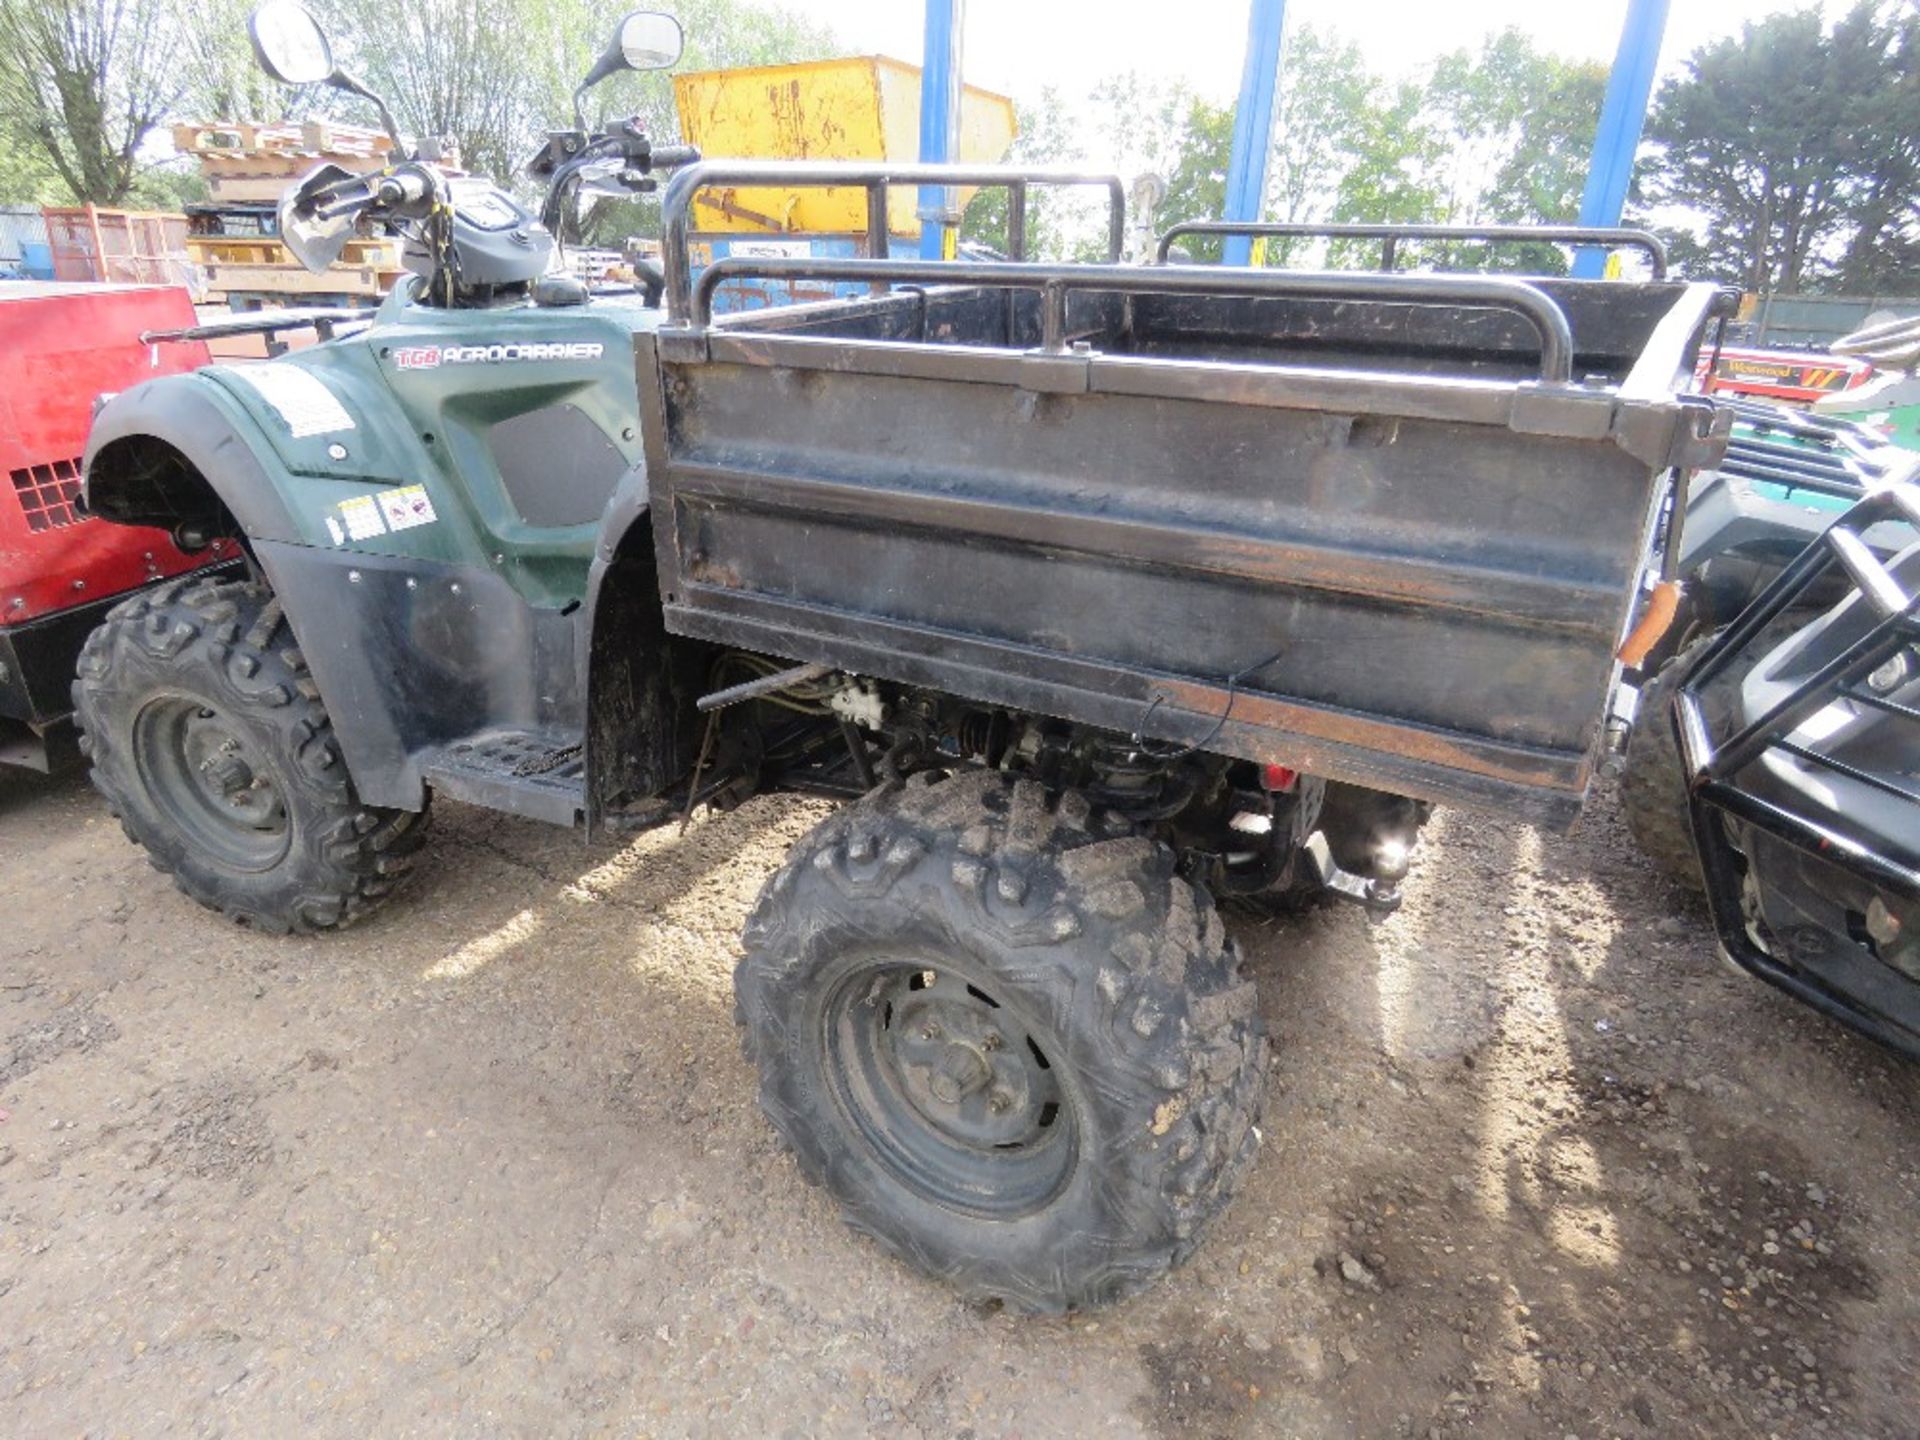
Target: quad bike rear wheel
(208, 739)
(1007, 1036)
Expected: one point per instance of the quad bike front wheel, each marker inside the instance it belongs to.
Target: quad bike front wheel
(1006, 1035)
(1653, 785)
(209, 742)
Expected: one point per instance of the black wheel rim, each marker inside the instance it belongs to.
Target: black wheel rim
(951, 1090)
(210, 782)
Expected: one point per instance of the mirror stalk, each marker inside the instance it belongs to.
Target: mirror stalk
(352, 84)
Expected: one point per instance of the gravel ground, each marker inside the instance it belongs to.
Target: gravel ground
(1536, 1163)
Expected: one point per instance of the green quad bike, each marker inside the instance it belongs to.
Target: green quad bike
(1096, 590)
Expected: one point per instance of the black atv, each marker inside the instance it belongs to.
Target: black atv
(1801, 760)
(1786, 477)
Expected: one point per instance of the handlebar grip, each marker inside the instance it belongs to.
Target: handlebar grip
(386, 190)
(666, 157)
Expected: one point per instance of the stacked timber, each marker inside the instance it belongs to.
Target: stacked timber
(234, 236)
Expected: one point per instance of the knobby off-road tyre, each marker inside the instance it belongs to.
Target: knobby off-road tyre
(1007, 1037)
(208, 739)
(1653, 784)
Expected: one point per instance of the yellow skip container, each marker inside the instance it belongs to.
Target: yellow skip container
(865, 107)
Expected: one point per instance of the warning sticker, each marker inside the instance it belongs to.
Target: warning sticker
(361, 516)
(297, 395)
(406, 507)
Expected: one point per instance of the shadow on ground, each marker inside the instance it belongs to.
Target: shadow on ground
(489, 1163)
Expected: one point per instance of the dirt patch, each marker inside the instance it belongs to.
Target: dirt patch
(219, 1133)
(1688, 1296)
(1209, 1385)
(490, 1163)
(73, 1029)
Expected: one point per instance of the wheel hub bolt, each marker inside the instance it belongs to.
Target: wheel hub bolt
(229, 773)
(958, 1073)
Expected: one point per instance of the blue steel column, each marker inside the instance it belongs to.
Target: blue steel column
(939, 121)
(1621, 117)
(1253, 124)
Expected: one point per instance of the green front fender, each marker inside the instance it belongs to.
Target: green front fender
(181, 450)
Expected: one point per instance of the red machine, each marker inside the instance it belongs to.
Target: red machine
(1798, 377)
(60, 570)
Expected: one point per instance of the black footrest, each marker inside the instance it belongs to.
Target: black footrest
(529, 773)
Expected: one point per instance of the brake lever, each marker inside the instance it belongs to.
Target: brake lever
(342, 205)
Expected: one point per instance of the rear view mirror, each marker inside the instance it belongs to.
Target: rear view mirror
(292, 48)
(649, 40)
(645, 40)
(289, 43)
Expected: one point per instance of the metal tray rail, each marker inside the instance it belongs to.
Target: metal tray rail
(1390, 236)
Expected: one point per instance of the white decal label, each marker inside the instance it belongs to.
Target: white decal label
(406, 507)
(361, 515)
(301, 397)
(771, 249)
(432, 357)
(333, 529)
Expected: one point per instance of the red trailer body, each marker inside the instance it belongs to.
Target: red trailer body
(61, 346)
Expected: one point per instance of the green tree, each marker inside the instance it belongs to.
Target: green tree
(1043, 135)
(1395, 175)
(1318, 127)
(25, 176)
(1518, 126)
(1197, 178)
(1795, 146)
(468, 70)
(83, 85)
(222, 80)
(1150, 127)
(1883, 252)
(1500, 134)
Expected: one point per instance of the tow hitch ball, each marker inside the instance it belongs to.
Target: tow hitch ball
(1379, 893)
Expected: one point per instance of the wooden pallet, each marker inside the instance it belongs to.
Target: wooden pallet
(249, 189)
(248, 164)
(378, 252)
(308, 137)
(365, 281)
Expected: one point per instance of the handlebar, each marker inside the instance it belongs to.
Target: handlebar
(391, 190)
(401, 189)
(567, 156)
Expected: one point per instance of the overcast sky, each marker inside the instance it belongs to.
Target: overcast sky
(1021, 46)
